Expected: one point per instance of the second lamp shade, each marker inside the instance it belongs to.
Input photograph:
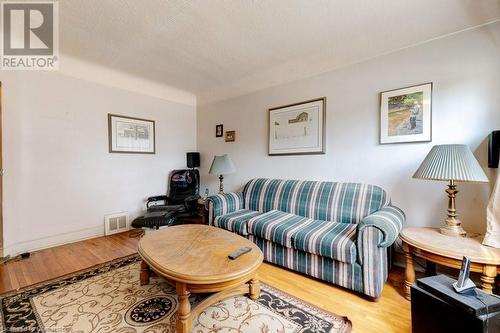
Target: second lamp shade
(222, 165)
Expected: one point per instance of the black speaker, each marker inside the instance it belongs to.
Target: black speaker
(494, 149)
(193, 160)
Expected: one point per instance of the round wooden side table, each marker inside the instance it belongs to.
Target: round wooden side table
(431, 245)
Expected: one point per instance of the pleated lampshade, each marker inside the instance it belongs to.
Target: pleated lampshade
(451, 162)
(222, 165)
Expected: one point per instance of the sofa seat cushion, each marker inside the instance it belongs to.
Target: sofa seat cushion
(277, 226)
(236, 221)
(328, 239)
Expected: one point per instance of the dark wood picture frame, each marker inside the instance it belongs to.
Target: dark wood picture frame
(323, 134)
(219, 131)
(110, 139)
(230, 136)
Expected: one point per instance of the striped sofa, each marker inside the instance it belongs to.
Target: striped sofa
(337, 232)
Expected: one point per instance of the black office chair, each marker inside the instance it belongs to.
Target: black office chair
(181, 201)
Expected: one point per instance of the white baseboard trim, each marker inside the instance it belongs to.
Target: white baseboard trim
(55, 240)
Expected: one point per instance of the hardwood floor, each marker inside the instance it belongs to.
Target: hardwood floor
(390, 314)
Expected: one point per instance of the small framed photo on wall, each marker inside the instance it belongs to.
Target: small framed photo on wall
(219, 130)
(406, 114)
(230, 136)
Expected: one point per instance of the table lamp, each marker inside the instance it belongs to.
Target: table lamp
(222, 165)
(452, 163)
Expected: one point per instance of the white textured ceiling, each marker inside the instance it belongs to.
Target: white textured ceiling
(223, 48)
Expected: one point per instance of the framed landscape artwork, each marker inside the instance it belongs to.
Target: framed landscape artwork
(298, 129)
(406, 114)
(131, 135)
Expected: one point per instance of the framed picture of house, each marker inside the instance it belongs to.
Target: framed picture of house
(131, 135)
(298, 129)
(406, 114)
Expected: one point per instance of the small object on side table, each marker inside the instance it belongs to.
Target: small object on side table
(431, 245)
(436, 307)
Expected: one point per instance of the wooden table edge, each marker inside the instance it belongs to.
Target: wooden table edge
(433, 250)
(190, 279)
(488, 271)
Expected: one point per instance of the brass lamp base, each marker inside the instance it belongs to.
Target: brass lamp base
(221, 184)
(453, 230)
(452, 226)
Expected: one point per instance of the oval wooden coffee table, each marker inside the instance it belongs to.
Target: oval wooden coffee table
(194, 259)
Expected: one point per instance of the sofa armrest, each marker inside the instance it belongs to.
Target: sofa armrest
(221, 204)
(389, 220)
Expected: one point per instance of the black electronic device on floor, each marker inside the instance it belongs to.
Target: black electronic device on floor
(436, 307)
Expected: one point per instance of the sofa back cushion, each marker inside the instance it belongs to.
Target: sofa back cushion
(327, 201)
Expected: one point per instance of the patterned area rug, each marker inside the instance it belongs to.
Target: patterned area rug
(108, 298)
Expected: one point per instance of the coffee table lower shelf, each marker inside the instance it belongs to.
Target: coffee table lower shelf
(246, 285)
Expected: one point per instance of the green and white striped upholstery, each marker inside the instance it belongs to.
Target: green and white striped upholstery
(277, 226)
(337, 232)
(326, 201)
(389, 220)
(374, 261)
(236, 221)
(328, 239)
(221, 204)
(329, 270)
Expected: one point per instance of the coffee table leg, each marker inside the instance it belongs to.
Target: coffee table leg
(183, 318)
(410, 270)
(145, 273)
(254, 288)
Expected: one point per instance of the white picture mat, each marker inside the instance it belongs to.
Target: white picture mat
(132, 135)
(300, 137)
(426, 115)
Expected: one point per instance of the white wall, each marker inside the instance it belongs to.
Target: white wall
(59, 179)
(465, 70)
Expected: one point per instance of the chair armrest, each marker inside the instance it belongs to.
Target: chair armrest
(155, 199)
(222, 204)
(389, 220)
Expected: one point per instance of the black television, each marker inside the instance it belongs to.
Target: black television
(494, 149)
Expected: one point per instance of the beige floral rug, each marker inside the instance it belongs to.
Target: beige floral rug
(108, 298)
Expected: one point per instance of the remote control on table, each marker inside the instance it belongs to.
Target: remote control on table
(239, 252)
